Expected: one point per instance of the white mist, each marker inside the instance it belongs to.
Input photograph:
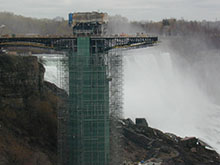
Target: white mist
(55, 69)
(170, 100)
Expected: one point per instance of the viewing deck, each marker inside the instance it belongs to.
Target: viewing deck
(103, 43)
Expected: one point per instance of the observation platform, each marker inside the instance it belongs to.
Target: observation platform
(102, 43)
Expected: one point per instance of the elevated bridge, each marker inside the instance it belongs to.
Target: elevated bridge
(98, 43)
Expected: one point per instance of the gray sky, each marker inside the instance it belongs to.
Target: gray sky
(132, 9)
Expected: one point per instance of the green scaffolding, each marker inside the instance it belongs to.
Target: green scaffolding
(88, 106)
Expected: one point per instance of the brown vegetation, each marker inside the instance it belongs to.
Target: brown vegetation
(28, 113)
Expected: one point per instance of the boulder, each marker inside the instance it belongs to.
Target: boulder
(141, 122)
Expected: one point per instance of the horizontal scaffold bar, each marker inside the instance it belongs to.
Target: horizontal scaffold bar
(102, 43)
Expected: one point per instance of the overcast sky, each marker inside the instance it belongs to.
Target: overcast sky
(132, 9)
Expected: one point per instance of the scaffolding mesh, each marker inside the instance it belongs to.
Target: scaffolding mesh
(89, 106)
(63, 113)
(95, 94)
(115, 63)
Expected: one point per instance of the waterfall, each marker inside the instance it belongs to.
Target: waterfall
(56, 69)
(168, 97)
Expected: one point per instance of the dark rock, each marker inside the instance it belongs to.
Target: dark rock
(141, 122)
(28, 112)
(38, 158)
(128, 122)
(156, 147)
(189, 142)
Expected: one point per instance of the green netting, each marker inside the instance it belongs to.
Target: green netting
(89, 107)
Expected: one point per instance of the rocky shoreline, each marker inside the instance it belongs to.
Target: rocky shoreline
(151, 146)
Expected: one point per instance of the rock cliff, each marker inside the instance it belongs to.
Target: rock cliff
(28, 113)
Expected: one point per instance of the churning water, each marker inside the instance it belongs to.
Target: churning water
(167, 97)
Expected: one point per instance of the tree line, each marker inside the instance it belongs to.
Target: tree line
(16, 24)
(20, 25)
